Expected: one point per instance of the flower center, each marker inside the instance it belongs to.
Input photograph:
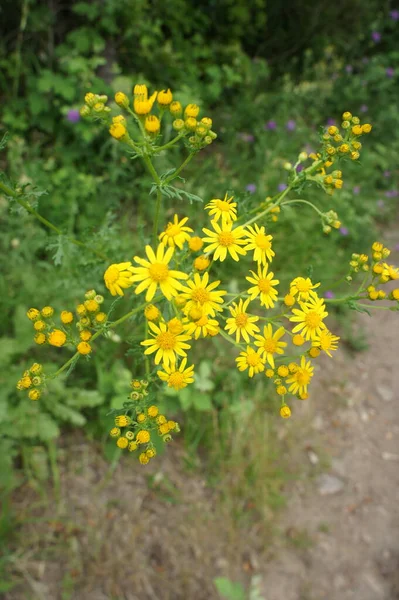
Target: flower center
(325, 342)
(313, 319)
(226, 238)
(175, 326)
(241, 320)
(172, 230)
(223, 205)
(158, 272)
(302, 377)
(270, 345)
(303, 285)
(166, 340)
(111, 274)
(262, 242)
(202, 321)
(253, 359)
(195, 314)
(264, 285)
(200, 295)
(176, 380)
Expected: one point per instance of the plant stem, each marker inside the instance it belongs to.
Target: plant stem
(169, 144)
(299, 200)
(151, 169)
(176, 173)
(156, 219)
(10, 192)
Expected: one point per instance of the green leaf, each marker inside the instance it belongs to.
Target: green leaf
(228, 589)
(201, 401)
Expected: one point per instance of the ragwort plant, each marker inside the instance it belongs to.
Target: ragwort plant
(277, 334)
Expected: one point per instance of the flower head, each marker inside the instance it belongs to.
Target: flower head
(176, 233)
(166, 344)
(177, 377)
(303, 288)
(326, 341)
(225, 240)
(57, 338)
(155, 271)
(301, 378)
(73, 115)
(203, 326)
(241, 323)
(309, 318)
(118, 277)
(263, 286)
(260, 243)
(225, 209)
(269, 343)
(199, 293)
(252, 360)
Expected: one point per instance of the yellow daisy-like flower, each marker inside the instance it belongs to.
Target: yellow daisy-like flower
(225, 240)
(326, 341)
(118, 277)
(260, 243)
(166, 344)
(252, 360)
(195, 243)
(240, 322)
(225, 209)
(199, 293)
(269, 343)
(309, 318)
(303, 287)
(203, 326)
(155, 271)
(176, 233)
(301, 378)
(263, 286)
(177, 378)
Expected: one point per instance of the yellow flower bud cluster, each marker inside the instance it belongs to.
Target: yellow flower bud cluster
(359, 262)
(141, 421)
(95, 106)
(33, 381)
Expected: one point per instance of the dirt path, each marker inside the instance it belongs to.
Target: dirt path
(160, 534)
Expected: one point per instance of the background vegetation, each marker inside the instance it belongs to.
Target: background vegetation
(270, 74)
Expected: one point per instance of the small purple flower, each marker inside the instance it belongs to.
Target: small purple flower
(271, 125)
(291, 125)
(329, 294)
(380, 203)
(390, 72)
(251, 188)
(349, 69)
(73, 115)
(394, 14)
(343, 231)
(356, 189)
(281, 187)
(387, 173)
(391, 193)
(299, 168)
(331, 121)
(364, 108)
(376, 36)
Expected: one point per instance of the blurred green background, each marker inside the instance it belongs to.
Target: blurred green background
(270, 74)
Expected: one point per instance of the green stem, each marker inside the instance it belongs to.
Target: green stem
(151, 169)
(10, 192)
(156, 219)
(300, 200)
(169, 144)
(182, 166)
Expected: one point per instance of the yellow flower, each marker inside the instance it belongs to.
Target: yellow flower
(143, 458)
(152, 124)
(309, 318)
(166, 344)
(151, 313)
(155, 271)
(176, 108)
(176, 233)
(165, 97)
(66, 317)
(115, 432)
(222, 209)
(269, 343)
(122, 420)
(240, 322)
(289, 300)
(282, 371)
(252, 360)
(225, 239)
(33, 314)
(83, 348)
(47, 311)
(92, 305)
(298, 339)
(285, 411)
(57, 338)
(263, 286)
(143, 105)
(143, 436)
(177, 378)
(85, 335)
(152, 411)
(175, 326)
(260, 243)
(101, 317)
(303, 287)
(121, 99)
(301, 378)
(195, 243)
(326, 341)
(117, 130)
(201, 295)
(117, 278)
(201, 263)
(40, 338)
(122, 442)
(191, 110)
(34, 394)
(39, 325)
(203, 326)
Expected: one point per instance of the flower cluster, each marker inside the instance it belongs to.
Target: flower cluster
(380, 272)
(148, 112)
(89, 318)
(33, 381)
(141, 421)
